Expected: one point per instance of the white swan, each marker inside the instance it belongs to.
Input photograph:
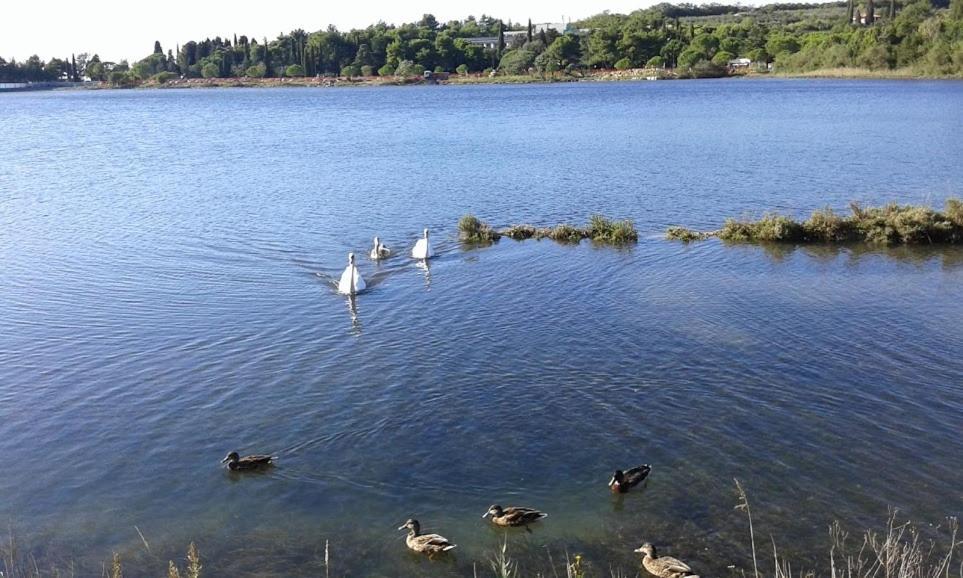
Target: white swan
(379, 251)
(351, 281)
(422, 248)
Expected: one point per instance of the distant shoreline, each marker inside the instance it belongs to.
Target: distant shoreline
(632, 75)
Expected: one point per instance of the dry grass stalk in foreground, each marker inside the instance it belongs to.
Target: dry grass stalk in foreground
(193, 569)
(502, 565)
(896, 552)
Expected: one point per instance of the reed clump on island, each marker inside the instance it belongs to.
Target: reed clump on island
(891, 224)
(471, 230)
(599, 229)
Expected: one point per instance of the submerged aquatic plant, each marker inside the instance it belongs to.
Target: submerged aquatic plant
(521, 232)
(687, 235)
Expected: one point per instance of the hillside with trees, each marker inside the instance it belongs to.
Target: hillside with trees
(923, 37)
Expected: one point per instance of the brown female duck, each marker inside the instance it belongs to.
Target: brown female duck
(512, 515)
(663, 566)
(621, 481)
(254, 462)
(430, 544)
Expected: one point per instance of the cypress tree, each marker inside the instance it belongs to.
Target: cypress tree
(267, 58)
(157, 47)
(73, 69)
(892, 9)
(870, 12)
(501, 38)
(529, 29)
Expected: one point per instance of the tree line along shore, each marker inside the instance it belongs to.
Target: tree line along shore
(916, 38)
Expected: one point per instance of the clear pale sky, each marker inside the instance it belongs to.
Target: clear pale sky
(117, 29)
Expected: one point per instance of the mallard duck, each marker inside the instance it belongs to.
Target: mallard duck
(621, 481)
(351, 282)
(379, 251)
(430, 544)
(256, 462)
(663, 566)
(512, 515)
(422, 249)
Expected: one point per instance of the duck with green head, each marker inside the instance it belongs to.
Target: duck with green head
(622, 482)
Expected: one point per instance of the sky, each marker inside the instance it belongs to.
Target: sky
(117, 29)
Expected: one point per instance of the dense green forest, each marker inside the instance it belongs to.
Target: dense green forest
(922, 36)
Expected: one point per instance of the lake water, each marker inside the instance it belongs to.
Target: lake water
(169, 260)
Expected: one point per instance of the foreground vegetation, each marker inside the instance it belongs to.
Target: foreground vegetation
(599, 229)
(896, 551)
(912, 37)
(887, 225)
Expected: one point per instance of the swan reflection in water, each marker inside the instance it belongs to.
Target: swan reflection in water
(356, 326)
(426, 271)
